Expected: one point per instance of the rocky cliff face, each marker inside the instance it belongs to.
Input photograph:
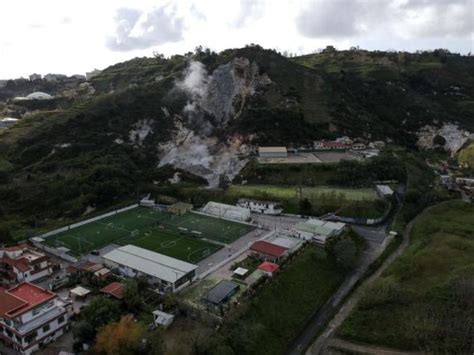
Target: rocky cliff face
(454, 137)
(214, 100)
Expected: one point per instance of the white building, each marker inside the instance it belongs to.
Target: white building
(22, 263)
(272, 152)
(162, 318)
(317, 230)
(384, 191)
(257, 206)
(54, 77)
(30, 317)
(226, 211)
(7, 121)
(34, 77)
(163, 272)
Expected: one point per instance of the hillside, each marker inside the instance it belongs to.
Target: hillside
(138, 122)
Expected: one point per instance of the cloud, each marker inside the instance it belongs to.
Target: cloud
(249, 10)
(136, 29)
(405, 18)
(439, 18)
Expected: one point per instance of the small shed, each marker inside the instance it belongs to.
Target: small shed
(180, 208)
(268, 268)
(162, 318)
(240, 272)
(79, 292)
(384, 191)
(221, 293)
(114, 289)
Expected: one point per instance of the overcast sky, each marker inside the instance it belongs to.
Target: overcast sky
(75, 36)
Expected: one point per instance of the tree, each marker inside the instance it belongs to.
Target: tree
(306, 207)
(131, 297)
(120, 338)
(101, 311)
(343, 251)
(155, 344)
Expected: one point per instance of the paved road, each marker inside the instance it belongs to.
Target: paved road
(322, 341)
(346, 347)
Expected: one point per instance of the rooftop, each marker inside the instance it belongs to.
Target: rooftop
(220, 292)
(272, 149)
(268, 248)
(22, 298)
(114, 289)
(317, 226)
(151, 263)
(268, 266)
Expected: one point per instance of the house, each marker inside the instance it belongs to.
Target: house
(358, 146)
(180, 208)
(7, 121)
(34, 77)
(164, 273)
(22, 263)
(268, 268)
(272, 152)
(54, 77)
(114, 289)
(221, 293)
(317, 230)
(268, 251)
(379, 144)
(384, 191)
(222, 210)
(31, 316)
(85, 267)
(258, 206)
(329, 145)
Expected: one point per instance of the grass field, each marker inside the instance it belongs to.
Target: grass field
(176, 236)
(291, 192)
(424, 300)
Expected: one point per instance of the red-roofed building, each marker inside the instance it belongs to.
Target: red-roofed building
(268, 251)
(22, 263)
(114, 289)
(30, 316)
(268, 268)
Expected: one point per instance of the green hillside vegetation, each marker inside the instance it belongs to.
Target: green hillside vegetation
(466, 156)
(66, 159)
(424, 300)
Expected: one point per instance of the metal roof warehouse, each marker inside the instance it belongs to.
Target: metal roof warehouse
(163, 270)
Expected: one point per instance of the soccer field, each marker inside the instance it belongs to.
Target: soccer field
(187, 237)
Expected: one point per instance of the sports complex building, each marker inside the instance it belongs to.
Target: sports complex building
(165, 273)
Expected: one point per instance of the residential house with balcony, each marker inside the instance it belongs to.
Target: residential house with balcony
(31, 317)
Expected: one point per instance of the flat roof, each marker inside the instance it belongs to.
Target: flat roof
(268, 266)
(272, 149)
(221, 291)
(317, 226)
(151, 263)
(240, 271)
(22, 298)
(385, 189)
(80, 291)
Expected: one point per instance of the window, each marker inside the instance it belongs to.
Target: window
(46, 328)
(61, 320)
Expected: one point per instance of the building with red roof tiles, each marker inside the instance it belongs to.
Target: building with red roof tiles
(268, 268)
(268, 251)
(22, 263)
(115, 289)
(30, 316)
